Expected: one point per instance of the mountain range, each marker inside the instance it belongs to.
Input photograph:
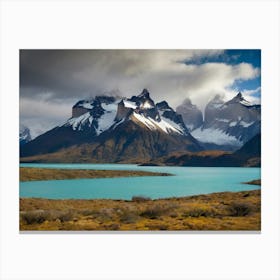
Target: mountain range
(228, 125)
(136, 129)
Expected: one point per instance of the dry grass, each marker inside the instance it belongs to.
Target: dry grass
(218, 211)
(37, 174)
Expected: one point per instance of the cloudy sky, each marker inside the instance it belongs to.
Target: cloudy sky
(51, 81)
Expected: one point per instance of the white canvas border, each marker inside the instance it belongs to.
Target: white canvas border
(157, 24)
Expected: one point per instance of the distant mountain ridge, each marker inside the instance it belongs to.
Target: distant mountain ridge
(230, 124)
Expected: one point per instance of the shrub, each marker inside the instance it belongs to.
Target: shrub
(34, 217)
(112, 227)
(104, 214)
(157, 226)
(65, 216)
(155, 211)
(40, 216)
(140, 198)
(240, 209)
(200, 212)
(88, 212)
(128, 217)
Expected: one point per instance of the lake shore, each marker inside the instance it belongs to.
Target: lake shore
(216, 211)
(254, 182)
(39, 174)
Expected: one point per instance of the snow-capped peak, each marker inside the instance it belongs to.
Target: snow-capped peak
(102, 113)
(95, 116)
(239, 99)
(24, 134)
(216, 102)
(145, 93)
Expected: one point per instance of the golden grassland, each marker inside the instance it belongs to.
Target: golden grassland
(37, 174)
(217, 211)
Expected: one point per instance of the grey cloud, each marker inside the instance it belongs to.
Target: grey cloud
(70, 73)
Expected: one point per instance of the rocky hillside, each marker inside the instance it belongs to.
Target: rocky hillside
(249, 155)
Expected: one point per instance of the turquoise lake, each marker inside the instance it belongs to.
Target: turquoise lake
(185, 182)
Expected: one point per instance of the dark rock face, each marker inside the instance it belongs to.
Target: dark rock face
(129, 142)
(250, 149)
(122, 112)
(24, 135)
(191, 115)
(167, 112)
(145, 105)
(212, 107)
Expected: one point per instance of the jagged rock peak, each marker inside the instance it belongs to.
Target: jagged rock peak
(239, 95)
(217, 97)
(239, 99)
(215, 102)
(187, 101)
(191, 115)
(145, 93)
(90, 102)
(163, 106)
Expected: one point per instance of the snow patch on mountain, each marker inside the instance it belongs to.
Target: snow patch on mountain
(129, 104)
(87, 106)
(222, 120)
(246, 124)
(215, 136)
(147, 105)
(107, 119)
(79, 122)
(163, 124)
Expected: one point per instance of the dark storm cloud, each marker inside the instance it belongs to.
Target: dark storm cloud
(54, 71)
(71, 73)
